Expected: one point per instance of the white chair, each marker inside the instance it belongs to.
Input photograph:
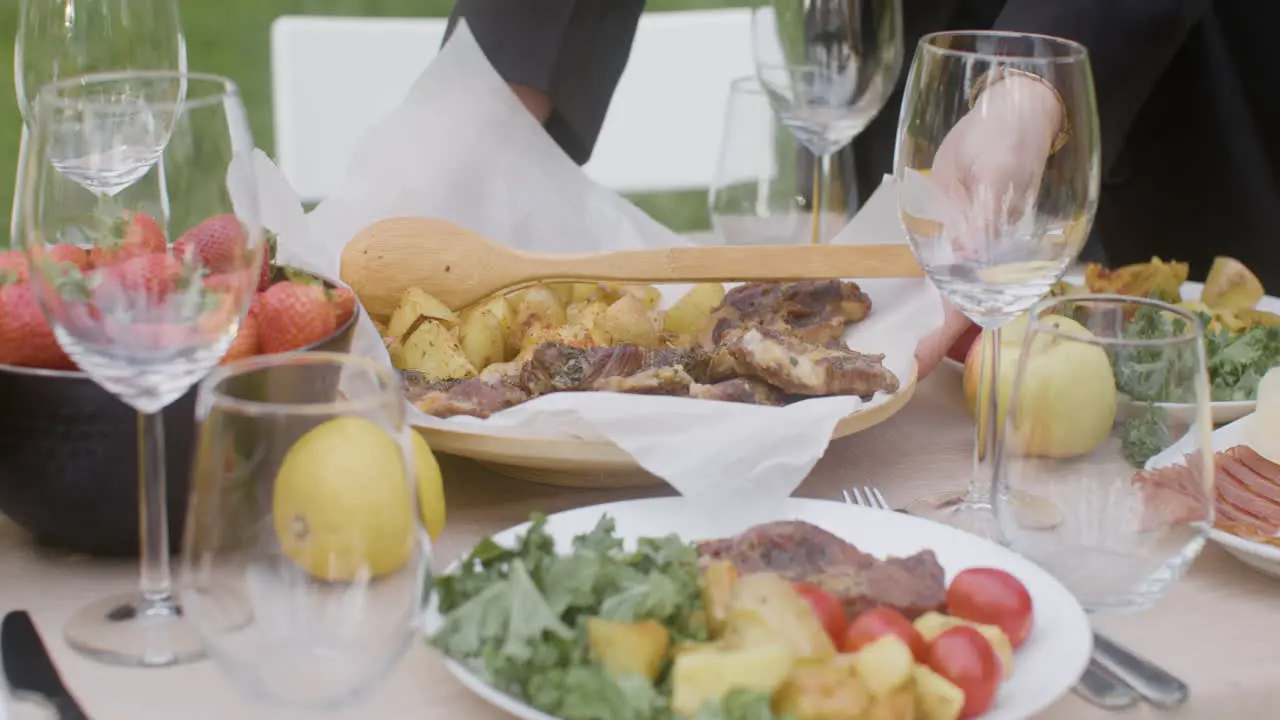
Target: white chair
(332, 77)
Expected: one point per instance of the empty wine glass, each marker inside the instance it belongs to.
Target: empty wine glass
(997, 168)
(305, 560)
(828, 67)
(64, 38)
(1122, 490)
(143, 318)
(755, 196)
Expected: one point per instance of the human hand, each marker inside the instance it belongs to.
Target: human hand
(934, 346)
(990, 164)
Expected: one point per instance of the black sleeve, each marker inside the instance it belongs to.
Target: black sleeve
(1130, 43)
(575, 51)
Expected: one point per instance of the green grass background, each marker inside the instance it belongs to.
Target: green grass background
(232, 38)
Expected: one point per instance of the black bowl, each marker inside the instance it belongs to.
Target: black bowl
(69, 459)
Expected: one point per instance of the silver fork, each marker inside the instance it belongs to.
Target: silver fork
(1098, 685)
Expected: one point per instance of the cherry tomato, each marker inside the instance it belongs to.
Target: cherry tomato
(992, 597)
(960, 348)
(828, 609)
(874, 624)
(964, 657)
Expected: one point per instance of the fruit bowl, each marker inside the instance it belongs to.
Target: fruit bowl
(68, 454)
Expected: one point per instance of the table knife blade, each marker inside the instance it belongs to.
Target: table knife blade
(1155, 684)
(29, 668)
(1100, 687)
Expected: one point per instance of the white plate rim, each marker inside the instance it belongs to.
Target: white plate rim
(1066, 658)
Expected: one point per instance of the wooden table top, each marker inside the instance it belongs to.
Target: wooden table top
(1216, 629)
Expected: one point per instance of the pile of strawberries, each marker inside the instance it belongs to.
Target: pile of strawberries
(287, 314)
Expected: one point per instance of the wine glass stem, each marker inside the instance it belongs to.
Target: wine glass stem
(987, 429)
(14, 242)
(155, 581)
(821, 181)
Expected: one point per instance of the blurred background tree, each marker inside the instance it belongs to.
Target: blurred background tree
(232, 38)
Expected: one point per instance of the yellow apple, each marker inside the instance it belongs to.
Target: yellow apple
(1068, 403)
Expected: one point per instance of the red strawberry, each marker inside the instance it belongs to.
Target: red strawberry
(13, 266)
(255, 305)
(133, 235)
(344, 305)
(66, 253)
(218, 242)
(246, 342)
(294, 315)
(264, 277)
(156, 274)
(25, 336)
(181, 250)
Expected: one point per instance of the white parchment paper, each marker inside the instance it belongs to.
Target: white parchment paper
(461, 147)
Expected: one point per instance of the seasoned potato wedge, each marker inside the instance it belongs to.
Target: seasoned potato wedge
(716, 586)
(575, 335)
(932, 624)
(898, 705)
(884, 665)
(629, 648)
(937, 698)
(628, 322)
(482, 338)
(818, 690)
(587, 292)
(538, 306)
(708, 674)
(648, 295)
(416, 303)
(563, 291)
(691, 311)
(396, 350)
(764, 608)
(433, 349)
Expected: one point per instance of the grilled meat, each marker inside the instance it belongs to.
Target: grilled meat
(478, 397)
(801, 552)
(803, 368)
(816, 311)
(670, 380)
(555, 367)
(751, 391)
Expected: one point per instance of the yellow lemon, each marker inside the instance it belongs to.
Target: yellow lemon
(341, 505)
(430, 486)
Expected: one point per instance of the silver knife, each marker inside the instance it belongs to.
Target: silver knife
(1100, 687)
(29, 669)
(1153, 683)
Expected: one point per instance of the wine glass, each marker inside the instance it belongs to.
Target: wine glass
(997, 169)
(305, 560)
(1125, 485)
(755, 197)
(66, 38)
(828, 67)
(143, 318)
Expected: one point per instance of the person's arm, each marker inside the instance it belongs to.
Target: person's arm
(1130, 43)
(562, 58)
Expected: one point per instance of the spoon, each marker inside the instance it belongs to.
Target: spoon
(460, 267)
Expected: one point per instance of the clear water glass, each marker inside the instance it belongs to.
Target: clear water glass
(144, 284)
(997, 165)
(1079, 487)
(305, 560)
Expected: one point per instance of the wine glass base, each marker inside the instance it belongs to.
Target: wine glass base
(951, 508)
(128, 629)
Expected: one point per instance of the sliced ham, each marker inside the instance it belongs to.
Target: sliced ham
(1247, 494)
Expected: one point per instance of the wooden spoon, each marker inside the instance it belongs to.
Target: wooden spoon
(460, 267)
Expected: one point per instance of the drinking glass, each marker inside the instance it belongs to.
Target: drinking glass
(65, 38)
(997, 168)
(828, 67)
(1122, 488)
(305, 561)
(143, 318)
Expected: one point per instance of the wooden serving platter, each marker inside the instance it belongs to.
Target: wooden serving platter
(597, 464)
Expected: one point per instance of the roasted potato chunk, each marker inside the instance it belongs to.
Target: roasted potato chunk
(537, 306)
(764, 608)
(590, 315)
(629, 648)
(691, 311)
(416, 303)
(627, 322)
(1231, 286)
(933, 624)
(898, 705)
(433, 349)
(396, 350)
(818, 690)
(716, 585)
(884, 665)
(708, 674)
(563, 291)
(482, 338)
(937, 698)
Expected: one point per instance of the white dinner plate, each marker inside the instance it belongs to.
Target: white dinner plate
(1259, 556)
(1045, 668)
(1223, 412)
